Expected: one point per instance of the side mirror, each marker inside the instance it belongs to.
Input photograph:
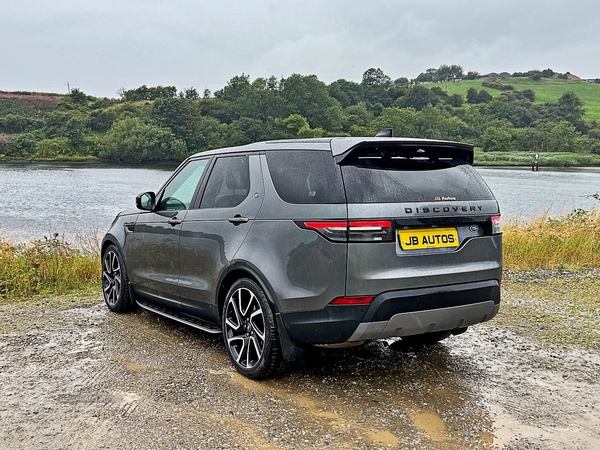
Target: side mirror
(146, 201)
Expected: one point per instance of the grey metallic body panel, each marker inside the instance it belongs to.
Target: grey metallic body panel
(379, 268)
(304, 270)
(152, 251)
(209, 243)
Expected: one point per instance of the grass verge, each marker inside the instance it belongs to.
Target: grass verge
(567, 242)
(48, 265)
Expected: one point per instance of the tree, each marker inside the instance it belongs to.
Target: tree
(375, 78)
(402, 120)
(182, 117)
(472, 96)
(484, 96)
(436, 123)
(78, 97)
(418, 97)
(402, 81)
(309, 97)
(496, 139)
(348, 93)
(132, 140)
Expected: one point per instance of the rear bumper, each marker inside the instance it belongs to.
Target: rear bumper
(398, 313)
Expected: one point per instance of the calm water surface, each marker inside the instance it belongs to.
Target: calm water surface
(40, 199)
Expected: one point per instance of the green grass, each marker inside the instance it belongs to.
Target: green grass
(547, 90)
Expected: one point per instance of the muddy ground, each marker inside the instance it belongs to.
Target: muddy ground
(73, 375)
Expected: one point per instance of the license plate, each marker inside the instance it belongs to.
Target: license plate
(428, 238)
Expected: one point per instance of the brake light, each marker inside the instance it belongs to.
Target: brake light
(496, 224)
(353, 231)
(364, 300)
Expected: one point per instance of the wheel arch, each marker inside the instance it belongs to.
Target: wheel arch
(239, 270)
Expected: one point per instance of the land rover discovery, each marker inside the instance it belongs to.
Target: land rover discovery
(283, 245)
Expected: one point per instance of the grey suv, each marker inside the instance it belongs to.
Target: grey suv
(283, 245)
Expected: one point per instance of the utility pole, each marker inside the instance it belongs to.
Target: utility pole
(68, 88)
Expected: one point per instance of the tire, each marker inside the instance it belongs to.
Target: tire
(115, 285)
(250, 331)
(423, 340)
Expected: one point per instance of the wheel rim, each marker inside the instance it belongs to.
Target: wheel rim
(111, 278)
(244, 328)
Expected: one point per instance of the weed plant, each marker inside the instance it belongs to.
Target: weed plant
(566, 242)
(48, 265)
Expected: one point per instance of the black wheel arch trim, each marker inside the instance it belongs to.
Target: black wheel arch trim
(291, 352)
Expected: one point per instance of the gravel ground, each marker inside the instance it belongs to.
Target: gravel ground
(73, 375)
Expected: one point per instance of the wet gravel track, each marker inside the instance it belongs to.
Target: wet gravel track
(73, 375)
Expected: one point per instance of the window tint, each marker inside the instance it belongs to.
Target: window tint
(305, 176)
(413, 174)
(179, 192)
(228, 184)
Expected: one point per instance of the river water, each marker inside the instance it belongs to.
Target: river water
(41, 199)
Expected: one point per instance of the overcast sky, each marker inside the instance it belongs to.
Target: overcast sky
(100, 46)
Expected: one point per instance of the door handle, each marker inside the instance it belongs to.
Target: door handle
(174, 221)
(237, 219)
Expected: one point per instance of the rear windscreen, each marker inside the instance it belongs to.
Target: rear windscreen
(395, 174)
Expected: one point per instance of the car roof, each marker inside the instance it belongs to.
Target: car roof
(336, 145)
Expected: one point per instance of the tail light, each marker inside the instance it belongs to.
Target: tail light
(353, 231)
(496, 224)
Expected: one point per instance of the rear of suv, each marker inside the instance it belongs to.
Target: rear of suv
(283, 245)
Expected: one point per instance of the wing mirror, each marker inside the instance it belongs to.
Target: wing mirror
(146, 201)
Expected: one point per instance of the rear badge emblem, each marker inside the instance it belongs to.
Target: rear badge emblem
(474, 228)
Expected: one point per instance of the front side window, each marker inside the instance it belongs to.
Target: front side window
(228, 184)
(178, 194)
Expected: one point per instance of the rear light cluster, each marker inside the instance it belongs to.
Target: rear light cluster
(353, 231)
(496, 224)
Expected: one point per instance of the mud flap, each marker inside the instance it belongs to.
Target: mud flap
(290, 351)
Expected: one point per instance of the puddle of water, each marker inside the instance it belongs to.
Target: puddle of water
(430, 423)
(316, 409)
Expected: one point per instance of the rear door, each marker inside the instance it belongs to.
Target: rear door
(212, 233)
(436, 215)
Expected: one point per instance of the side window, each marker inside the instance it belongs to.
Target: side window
(179, 192)
(228, 184)
(305, 176)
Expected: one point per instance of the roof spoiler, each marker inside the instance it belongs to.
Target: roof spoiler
(386, 132)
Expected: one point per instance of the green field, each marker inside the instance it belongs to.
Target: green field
(547, 90)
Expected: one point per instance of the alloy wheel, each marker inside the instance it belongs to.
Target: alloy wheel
(244, 328)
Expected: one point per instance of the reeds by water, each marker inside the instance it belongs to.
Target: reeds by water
(571, 241)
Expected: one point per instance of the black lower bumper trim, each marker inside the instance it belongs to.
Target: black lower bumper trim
(336, 323)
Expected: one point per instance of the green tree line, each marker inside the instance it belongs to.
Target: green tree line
(163, 124)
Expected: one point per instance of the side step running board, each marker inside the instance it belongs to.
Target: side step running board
(187, 320)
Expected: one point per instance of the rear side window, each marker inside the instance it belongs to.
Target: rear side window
(305, 176)
(228, 184)
(395, 174)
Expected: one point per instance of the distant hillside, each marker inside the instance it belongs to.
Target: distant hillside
(30, 104)
(547, 90)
